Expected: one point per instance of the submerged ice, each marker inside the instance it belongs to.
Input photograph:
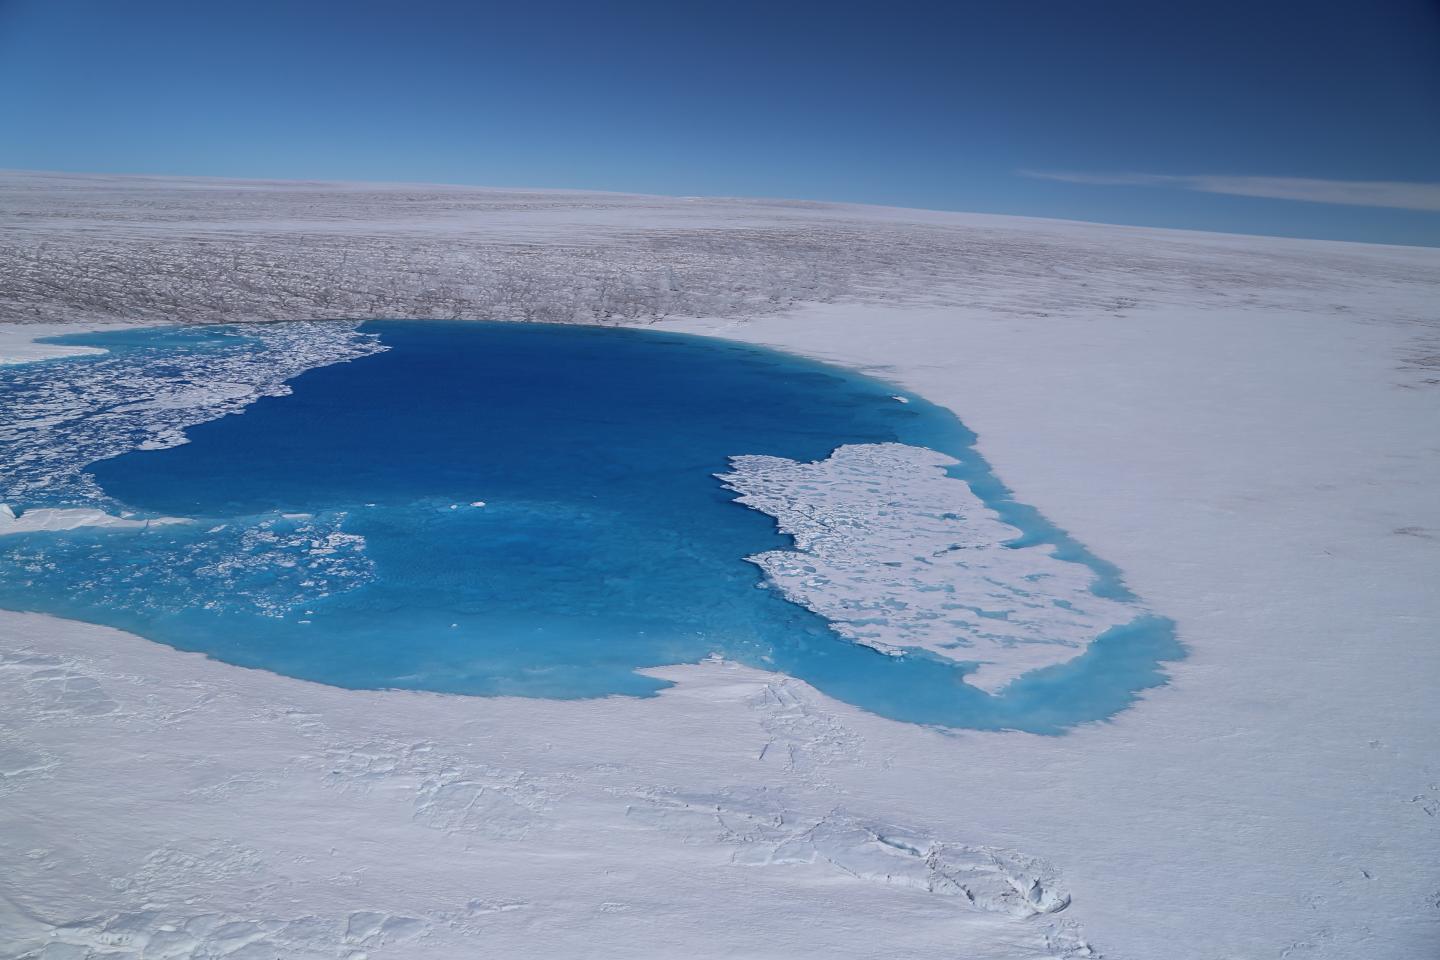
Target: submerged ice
(506, 509)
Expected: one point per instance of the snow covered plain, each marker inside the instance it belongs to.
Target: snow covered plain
(1246, 427)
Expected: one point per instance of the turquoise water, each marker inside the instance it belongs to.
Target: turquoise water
(604, 543)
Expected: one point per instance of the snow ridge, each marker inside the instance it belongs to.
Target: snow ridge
(49, 519)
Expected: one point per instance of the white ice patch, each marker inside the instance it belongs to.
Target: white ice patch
(898, 556)
(20, 342)
(46, 519)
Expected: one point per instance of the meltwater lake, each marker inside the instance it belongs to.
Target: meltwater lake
(486, 509)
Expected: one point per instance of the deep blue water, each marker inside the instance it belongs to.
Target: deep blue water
(605, 542)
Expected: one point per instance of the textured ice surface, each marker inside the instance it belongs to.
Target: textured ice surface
(113, 248)
(899, 556)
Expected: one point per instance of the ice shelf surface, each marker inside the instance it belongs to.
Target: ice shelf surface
(1244, 425)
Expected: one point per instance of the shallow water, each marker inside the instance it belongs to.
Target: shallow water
(342, 536)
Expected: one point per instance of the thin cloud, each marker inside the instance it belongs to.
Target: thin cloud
(1358, 193)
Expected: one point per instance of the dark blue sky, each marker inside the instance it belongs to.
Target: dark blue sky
(1188, 114)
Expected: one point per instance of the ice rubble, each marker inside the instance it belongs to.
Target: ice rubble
(54, 421)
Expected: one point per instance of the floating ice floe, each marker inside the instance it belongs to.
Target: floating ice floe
(900, 556)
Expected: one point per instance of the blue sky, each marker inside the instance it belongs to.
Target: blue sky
(1254, 116)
